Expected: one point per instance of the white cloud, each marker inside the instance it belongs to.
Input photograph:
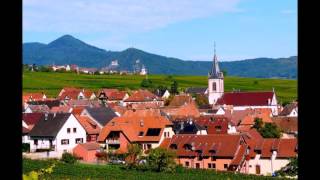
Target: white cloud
(83, 16)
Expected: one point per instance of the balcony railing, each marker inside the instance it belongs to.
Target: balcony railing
(112, 141)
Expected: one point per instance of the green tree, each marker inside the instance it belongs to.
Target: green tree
(270, 130)
(134, 151)
(161, 159)
(201, 99)
(258, 123)
(291, 169)
(146, 83)
(225, 73)
(174, 87)
(96, 73)
(44, 69)
(68, 158)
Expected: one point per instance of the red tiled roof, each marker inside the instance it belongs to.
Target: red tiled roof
(285, 147)
(34, 96)
(89, 125)
(108, 91)
(245, 98)
(31, 118)
(179, 100)
(186, 110)
(286, 124)
(130, 125)
(263, 113)
(71, 93)
(142, 96)
(90, 146)
(212, 124)
(77, 110)
(219, 145)
(240, 155)
(117, 95)
(58, 109)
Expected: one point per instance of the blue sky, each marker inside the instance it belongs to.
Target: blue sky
(183, 29)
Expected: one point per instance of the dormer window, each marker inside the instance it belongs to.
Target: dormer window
(218, 128)
(187, 147)
(173, 146)
(141, 133)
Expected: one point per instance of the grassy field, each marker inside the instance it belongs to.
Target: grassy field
(51, 83)
(82, 171)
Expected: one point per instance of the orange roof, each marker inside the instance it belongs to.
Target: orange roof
(263, 113)
(143, 96)
(117, 95)
(219, 145)
(287, 124)
(77, 110)
(120, 109)
(165, 143)
(179, 100)
(34, 96)
(134, 122)
(89, 125)
(285, 147)
(90, 146)
(88, 93)
(56, 109)
(108, 91)
(240, 155)
(144, 106)
(72, 93)
(186, 110)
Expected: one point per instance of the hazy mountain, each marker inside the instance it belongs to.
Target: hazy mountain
(69, 50)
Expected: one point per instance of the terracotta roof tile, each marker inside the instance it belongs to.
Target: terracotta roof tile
(179, 100)
(131, 123)
(142, 96)
(117, 96)
(90, 146)
(77, 110)
(215, 125)
(89, 125)
(219, 145)
(286, 124)
(186, 110)
(59, 109)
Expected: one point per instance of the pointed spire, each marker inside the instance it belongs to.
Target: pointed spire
(215, 71)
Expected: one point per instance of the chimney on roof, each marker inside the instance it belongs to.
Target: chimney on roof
(269, 101)
(46, 116)
(141, 123)
(181, 125)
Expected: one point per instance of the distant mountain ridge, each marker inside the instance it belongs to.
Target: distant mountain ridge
(69, 50)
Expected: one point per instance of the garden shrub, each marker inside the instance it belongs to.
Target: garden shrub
(68, 158)
(25, 147)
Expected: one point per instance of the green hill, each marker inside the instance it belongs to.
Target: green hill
(69, 50)
(51, 83)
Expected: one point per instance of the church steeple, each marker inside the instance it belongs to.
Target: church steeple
(215, 70)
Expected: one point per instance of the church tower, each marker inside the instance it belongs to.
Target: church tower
(215, 81)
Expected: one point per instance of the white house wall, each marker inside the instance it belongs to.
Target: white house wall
(266, 165)
(71, 123)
